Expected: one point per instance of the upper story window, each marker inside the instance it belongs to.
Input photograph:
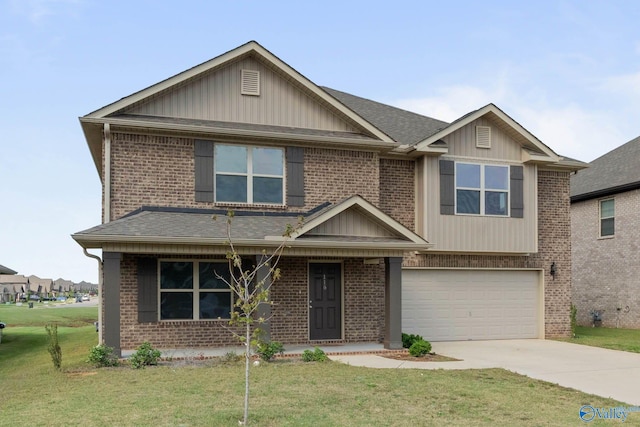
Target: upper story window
(194, 290)
(482, 189)
(249, 174)
(607, 217)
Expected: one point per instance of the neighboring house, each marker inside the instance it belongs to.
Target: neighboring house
(605, 218)
(13, 287)
(62, 286)
(40, 286)
(6, 270)
(411, 224)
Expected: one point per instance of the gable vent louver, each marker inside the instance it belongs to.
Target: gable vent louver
(250, 83)
(483, 137)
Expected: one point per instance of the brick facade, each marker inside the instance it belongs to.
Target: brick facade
(554, 245)
(363, 297)
(606, 270)
(159, 171)
(150, 170)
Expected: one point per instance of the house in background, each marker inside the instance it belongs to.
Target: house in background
(454, 231)
(6, 270)
(605, 220)
(13, 287)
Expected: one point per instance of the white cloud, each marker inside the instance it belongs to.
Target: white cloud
(37, 10)
(570, 130)
(625, 84)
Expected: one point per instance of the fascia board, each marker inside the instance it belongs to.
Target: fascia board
(95, 242)
(259, 134)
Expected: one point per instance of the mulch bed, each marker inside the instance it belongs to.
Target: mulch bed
(429, 357)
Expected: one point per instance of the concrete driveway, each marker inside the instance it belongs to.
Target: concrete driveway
(606, 373)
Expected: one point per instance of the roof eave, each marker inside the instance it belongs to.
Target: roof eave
(423, 146)
(97, 241)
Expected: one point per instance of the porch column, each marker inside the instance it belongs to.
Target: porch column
(111, 299)
(393, 303)
(264, 309)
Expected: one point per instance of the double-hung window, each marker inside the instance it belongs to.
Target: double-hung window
(194, 290)
(482, 189)
(252, 175)
(607, 217)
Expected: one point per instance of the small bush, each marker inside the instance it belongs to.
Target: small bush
(574, 323)
(231, 357)
(102, 356)
(409, 339)
(54, 347)
(420, 348)
(145, 355)
(316, 355)
(266, 350)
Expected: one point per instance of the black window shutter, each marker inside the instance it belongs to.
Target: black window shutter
(295, 176)
(147, 290)
(447, 187)
(517, 199)
(203, 151)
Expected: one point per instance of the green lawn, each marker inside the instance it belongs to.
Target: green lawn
(284, 393)
(612, 338)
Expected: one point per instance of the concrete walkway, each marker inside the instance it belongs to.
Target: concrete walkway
(606, 373)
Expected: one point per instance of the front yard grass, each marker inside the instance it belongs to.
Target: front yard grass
(284, 393)
(611, 338)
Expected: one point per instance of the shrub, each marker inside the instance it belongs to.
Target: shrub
(316, 355)
(54, 347)
(145, 355)
(102, 356)
(409, 339)
(420, 348)
(266, 350)
(230, 357)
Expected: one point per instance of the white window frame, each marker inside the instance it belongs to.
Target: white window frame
(601, 218)
(482, 189)
(249, 175)
(195, 290)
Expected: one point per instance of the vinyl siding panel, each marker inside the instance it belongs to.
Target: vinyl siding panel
(462, 143)
(350, 223)
(465, 233)
(216, 96)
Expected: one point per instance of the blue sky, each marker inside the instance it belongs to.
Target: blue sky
(568, 71)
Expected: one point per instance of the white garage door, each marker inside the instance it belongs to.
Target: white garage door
(451, 305)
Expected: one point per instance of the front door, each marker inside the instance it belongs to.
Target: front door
(325, 301)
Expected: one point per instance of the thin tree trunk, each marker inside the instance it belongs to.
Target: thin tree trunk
(247, 365)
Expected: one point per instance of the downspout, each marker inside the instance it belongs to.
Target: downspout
(97, 258)
(107, 173)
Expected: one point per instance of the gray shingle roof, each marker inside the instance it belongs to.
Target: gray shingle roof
(192, 225)
(403, 126)
(6, 270)
(616, 171)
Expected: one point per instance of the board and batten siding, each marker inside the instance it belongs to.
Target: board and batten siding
(350, 223)
(462, 143)
(216, 96)
(471, 233)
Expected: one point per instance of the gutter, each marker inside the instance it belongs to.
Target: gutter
(99, 327)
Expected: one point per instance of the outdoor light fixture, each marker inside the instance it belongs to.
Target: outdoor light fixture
(554, 270)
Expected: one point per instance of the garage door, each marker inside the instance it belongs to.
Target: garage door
(451, 305)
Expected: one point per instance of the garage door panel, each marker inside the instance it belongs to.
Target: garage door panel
(445, 305)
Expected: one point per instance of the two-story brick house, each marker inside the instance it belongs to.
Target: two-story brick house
(605, 218)
(411, 224)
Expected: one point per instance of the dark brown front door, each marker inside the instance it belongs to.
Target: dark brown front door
(325, 301)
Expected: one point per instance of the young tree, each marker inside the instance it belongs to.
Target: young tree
(251, 286)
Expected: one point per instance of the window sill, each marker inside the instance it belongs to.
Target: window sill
(606, 237)
(250, 205)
